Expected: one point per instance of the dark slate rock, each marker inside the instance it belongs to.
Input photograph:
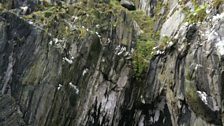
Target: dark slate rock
(127, 4)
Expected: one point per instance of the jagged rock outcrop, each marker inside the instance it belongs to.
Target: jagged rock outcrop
(72, 65)
(10, 112)
(127, 4)
(57, 80)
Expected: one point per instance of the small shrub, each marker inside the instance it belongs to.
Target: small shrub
(145, 42)
(198, 15)
(163, 42)
(114, 3)
(145, 22)
(142, 55)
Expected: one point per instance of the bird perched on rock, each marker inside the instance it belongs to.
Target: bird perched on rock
(24, 9)
(127, 4)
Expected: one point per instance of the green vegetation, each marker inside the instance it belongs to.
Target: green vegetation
(198, 15)
(188, 75)
(1, 7)
(195, 3)
(145, 42)
(147, 39)
(216, 3)
(163, 42)
(58, 21)
(49, 18)
(145, 22)
(5, 4)
(73, 20)
(142, 55)
(115, 4)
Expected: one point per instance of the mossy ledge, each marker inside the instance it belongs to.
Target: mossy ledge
(80, 20)
(148, 38)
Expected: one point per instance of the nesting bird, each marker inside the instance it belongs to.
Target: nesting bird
(59, 86)
(24, 9)
(74, 87)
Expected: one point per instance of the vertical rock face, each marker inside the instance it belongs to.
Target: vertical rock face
(71, 65)
(79, 79)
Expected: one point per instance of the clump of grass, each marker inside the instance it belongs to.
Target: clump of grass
(142, 55)
(147, 40)
(163, 42)
(198, 15)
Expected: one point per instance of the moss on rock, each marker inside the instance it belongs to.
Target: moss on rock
(198, 15)
(148, 39)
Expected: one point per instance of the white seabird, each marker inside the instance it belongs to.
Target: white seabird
(67, 60)
(74, 87)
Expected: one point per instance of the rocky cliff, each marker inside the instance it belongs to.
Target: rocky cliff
(111, 63)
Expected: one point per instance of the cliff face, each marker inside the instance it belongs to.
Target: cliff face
(95, 63)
